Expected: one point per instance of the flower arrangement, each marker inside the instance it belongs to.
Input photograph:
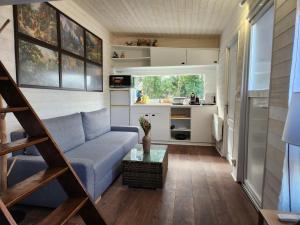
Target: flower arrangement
(145, 124)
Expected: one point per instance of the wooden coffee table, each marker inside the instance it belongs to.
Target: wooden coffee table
(145, 170)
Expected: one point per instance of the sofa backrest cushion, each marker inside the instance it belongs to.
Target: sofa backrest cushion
(95, 123)
(67, 131)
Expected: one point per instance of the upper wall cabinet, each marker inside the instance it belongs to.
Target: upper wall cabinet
(144, 56)
(201, 56)
(167, 56)
(183, 56)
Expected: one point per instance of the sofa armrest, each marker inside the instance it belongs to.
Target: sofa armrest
(125, 128)
(17, 135)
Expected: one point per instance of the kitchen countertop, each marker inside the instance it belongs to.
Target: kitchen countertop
(169, 105)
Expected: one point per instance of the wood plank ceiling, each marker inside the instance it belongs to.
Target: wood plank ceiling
(162, 17)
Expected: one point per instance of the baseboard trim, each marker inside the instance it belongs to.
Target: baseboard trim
(184, 143)
(253, 200)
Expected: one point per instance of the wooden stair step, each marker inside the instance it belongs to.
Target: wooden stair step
(4, 78)
(13, 109)
(20, 144)
(26, 187)
(8, 217)
(63, 213)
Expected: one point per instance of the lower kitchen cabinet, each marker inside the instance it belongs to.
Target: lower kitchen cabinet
(201, 123)
(119, 115)
(159, 118)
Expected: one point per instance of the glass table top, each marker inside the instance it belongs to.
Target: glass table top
(156, 155)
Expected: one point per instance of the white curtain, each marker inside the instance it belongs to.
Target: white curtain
(290, 197)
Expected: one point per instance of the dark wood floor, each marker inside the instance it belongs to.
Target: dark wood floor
(199, 190)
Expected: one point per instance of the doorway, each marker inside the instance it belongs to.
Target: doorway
(257, 103)
(232, 52)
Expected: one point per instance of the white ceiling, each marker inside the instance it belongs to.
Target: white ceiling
(162, 17)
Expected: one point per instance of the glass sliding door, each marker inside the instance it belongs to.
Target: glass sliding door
(258, 103)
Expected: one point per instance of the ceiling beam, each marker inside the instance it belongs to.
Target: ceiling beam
(15, 2)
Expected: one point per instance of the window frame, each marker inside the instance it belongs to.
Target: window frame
(155, 99)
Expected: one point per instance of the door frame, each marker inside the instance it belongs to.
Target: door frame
(244, 113)
(234, 40)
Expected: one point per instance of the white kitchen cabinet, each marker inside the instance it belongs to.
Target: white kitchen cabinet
(119, 115)
(161, 56)
(200, 56)
(120, 97)
(160, 127)
(201, 123)
(119, 107)
(159, 117)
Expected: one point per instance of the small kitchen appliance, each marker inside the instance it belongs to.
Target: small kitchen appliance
(120, 81)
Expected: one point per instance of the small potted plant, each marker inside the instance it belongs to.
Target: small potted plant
(146, 126)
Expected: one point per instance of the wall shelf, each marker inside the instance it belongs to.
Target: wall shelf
(180, 129)
(134, 56)
(130, 59)
(180, 118)
(130, 47)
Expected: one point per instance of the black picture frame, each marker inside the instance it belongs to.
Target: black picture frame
(71, 36)
(72, 72)
(94, 46)
(38, 65)
(60, 51)
(94, 77)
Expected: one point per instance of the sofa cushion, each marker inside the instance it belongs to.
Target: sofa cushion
(67, 131)
(95, 123)
(106, 151)
(126, 139)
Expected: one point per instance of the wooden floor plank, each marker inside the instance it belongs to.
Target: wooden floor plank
(199, 190)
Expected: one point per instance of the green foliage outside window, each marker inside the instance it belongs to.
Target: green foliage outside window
(158, 87)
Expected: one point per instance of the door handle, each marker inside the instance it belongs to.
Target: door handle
(153, 114)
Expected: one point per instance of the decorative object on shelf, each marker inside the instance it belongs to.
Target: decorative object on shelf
(154, 43)
(115, 55)
(142, 42)
(122, 55)
(139, 96)
(146, 126)
(129, 43)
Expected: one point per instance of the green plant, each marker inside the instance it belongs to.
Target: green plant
(145, 124)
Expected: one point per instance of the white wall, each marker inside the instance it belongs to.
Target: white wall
(234, 25)
(46, 102)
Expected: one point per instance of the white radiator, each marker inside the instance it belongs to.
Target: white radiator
(217, 126)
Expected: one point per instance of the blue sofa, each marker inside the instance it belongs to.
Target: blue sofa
(94, 148)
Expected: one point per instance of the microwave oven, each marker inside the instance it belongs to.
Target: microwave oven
(120, 81)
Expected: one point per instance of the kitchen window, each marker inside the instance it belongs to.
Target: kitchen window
(169, 86)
